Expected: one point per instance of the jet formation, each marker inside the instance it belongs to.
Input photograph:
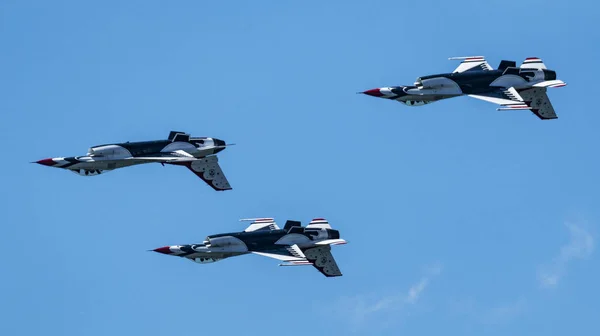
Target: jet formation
(294, 245)
(197, 154)
(511, 87)
(522, 88)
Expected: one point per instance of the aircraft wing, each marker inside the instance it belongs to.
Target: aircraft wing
(291, 254)
(471, 63)
(175, 156)
(502, 96)
(534, 99)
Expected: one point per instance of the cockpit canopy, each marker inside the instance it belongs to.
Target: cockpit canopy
(108, 151)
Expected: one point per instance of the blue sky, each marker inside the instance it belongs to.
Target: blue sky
(462, 220)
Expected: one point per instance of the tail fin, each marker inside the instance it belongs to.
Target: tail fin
(533, 63)
(319, 223)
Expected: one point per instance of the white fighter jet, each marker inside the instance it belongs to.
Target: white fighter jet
(294, 245)
(197, 154)
(522, 88)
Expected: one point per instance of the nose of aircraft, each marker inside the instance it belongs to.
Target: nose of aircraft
(374, 92)
(46, 162)
(163, 250)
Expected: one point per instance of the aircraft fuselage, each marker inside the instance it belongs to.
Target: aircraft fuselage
(428, 89)
(119, 155)
(225, 245)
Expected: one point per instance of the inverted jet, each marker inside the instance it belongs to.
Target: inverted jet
(197, 154)
(522, 88)
(294, 245)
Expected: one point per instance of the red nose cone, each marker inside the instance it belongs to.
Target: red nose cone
(373, 92)
(47, 162)
(163, 250)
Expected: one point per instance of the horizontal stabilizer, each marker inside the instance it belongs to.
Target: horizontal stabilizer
(533, 63)
(207, 169)
(323, 260)
(539, 103)
(320, 223)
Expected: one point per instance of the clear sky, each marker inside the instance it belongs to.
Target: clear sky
(461, 220)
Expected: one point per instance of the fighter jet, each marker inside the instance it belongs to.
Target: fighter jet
(294, 245)
(522, 88)
(197, 154)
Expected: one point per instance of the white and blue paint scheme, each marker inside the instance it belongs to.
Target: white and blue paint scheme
(294, 245)
(197, 154)
(522, 88)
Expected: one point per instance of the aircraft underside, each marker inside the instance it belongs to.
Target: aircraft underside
(419, 100)
(99, 167)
